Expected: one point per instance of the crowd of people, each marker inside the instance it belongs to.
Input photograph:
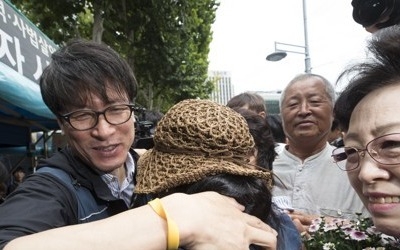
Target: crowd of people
(217, 176)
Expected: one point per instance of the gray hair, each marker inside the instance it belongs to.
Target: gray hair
(330, 91)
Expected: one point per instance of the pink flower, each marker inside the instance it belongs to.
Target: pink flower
(347, 230)
(330, 227)
(313, 228)
(316, 220)
(358, 235)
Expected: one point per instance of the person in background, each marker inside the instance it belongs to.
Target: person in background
(204, 146)
(275, 124)
(374, 15)
(18, 176)
(307, 182)
(368, 112)
(335, 137)
(263, 153)
(92, 178)
(249, 100)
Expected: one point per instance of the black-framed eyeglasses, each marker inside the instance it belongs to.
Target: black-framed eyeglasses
(384, 150)
(86, 119)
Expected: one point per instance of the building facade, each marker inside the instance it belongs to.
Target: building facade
(271, 99)
(223, 88)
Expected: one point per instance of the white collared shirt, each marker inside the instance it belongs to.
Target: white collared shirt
(125, 191)
(315, 185)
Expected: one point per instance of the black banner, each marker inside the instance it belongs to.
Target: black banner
(23, 47)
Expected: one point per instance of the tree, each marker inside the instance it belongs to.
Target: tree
(166, 42)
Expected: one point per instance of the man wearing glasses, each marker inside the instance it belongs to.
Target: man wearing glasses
(91, 89)
(92, 100)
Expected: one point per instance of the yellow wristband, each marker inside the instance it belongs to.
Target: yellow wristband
(172, 228)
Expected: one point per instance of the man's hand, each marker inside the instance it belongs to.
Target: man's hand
(302, 220)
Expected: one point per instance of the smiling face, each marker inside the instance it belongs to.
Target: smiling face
(377, 185)
(104, 147)
(307, 112)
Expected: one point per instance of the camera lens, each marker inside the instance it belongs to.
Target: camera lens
(370, 12)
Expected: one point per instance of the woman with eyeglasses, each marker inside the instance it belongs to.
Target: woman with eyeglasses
(368, 110)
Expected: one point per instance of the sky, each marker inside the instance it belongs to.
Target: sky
(245, 31)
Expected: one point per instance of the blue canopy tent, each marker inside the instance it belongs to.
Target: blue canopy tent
(24, 52)
(22, 109)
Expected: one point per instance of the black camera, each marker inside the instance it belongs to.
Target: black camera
(143, 135)
(145, 125)
(381, 13)
(144, 130)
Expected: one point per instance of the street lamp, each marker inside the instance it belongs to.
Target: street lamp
(279, 54)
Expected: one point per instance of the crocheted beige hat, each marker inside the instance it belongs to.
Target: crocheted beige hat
(196, 139)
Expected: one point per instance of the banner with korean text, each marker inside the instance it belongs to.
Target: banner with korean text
(24, 52)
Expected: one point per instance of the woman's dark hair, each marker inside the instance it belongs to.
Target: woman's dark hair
(262, 135)
(252, 101)
(275, 124)
(251, 192)
(382, 69)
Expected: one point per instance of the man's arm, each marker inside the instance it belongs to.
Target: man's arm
(205, 221)
(38, 204)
